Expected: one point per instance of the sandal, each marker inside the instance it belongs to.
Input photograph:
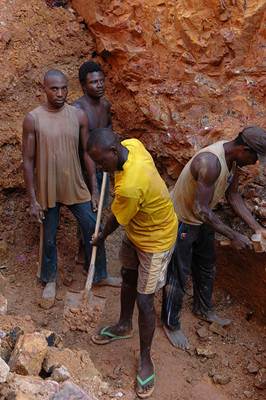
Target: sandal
(145, 387)
(105, 337)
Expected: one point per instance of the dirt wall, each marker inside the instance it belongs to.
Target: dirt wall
(33, 38)
(181, 73)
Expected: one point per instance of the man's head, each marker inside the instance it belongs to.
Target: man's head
(105, 149)
(251, 143)
(91, 78)
(56, 88)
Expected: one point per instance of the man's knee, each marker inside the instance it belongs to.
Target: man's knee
(129, 276)
(145, 303)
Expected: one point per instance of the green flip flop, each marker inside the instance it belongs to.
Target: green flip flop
(144, 394)
(105, 337)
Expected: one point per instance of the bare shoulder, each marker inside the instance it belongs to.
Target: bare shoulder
(82, 117)
(78, 103)
(206, 166)
(28, 122)
(106, 103)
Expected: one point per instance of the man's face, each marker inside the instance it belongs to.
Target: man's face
(94, 84)
(56, 89)
(106, 160)
(248, 157)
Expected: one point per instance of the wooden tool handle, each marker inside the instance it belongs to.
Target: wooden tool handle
(40, 252)
(96, 232)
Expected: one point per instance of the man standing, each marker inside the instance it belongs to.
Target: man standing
(98, 111)
(93, 102)
(51, 136)
(142, 205)
(212, 173)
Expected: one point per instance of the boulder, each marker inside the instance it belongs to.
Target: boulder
(29, 388)
(71, 391)
(28, 354)
(4, 371)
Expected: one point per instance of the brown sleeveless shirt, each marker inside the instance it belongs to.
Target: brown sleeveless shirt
(183, 194)
(58, 171)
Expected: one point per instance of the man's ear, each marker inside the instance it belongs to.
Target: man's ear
(114, 149)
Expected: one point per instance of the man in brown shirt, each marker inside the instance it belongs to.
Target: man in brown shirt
(211, 174)
(51, 136)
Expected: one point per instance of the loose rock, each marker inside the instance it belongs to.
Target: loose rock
(29, 388)
(71, 391)
(4, 371)
(28, 354)
(221, 379)
(60, 374)
(53, 339)
(202, 332)
(252, 368)
(218, 329)
(260, 381)
(3, 305)
(3, 248)
(204, 352)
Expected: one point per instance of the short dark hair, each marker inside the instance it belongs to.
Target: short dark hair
(52, 73)
(104, 138)
(238, 140)
(86, 68)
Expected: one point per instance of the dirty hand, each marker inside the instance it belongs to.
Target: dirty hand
(36, 211)
(262, 232)
(95, 201)
(97, 240)
(241, 242)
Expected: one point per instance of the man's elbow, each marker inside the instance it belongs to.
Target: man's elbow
(232, 197)
(203, 213)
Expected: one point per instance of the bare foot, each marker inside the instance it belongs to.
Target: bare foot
(177, 338)
(212, 317)
(48, 295)
(110, 281)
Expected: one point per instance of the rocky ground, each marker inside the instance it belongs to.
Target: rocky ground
(220, 365)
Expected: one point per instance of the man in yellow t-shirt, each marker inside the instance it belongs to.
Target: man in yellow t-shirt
(142, 205)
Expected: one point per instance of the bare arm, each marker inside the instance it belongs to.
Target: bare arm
(28, 153)
(238, 204)
(110, 226)
(109, 113)
(206, 168)
(89, 164)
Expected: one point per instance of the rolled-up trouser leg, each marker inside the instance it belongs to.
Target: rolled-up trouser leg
(49, 251)
(203, 270)
(87, 220)
(178, 272)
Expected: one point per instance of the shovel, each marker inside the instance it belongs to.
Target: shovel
(85, 298)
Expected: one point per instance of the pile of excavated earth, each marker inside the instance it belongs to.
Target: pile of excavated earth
(34, 364)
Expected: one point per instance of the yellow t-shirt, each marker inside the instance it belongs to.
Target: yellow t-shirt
(142, 202)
